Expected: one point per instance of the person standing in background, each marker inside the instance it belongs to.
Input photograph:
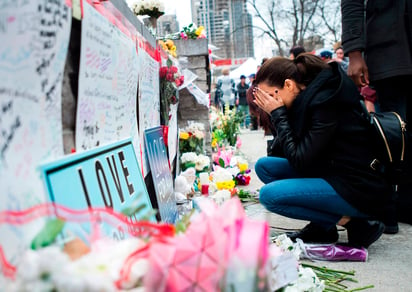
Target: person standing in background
(226, 86)
(379, 46)
(243, 106)
(340, 58)
(295, 51)
(249, 96)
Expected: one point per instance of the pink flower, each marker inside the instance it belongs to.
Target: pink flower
(238, 143)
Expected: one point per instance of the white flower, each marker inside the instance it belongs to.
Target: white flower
(140, 7)
(220, 197)
(307, 281)
(201, 162)
(37, 270)
(50, 269)
(188, 157)
(221, 175)
(193, 127)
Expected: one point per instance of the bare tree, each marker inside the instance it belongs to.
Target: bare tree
(268, 17)
(289, 22)
(330, 15)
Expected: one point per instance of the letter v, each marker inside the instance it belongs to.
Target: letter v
(115, 178)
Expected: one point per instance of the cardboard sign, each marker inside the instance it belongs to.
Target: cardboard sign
(162, 177)
(107, 176)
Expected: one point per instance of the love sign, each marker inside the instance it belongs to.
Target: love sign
(107, 176)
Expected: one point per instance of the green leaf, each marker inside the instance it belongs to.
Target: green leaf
(48, 234)
(221, 162)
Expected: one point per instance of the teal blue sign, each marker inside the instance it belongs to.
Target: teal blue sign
(107, 176)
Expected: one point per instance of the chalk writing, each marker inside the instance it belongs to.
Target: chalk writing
(34, 38)
(106, 110)
(149, 101)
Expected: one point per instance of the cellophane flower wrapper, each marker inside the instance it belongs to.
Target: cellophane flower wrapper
(216, 253)
(332, 252)
(104, 263)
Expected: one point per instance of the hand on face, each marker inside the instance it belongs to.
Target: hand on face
(266, 101)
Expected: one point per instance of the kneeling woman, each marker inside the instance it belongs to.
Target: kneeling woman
(321, 169)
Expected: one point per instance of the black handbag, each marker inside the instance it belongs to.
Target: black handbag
(391, 138)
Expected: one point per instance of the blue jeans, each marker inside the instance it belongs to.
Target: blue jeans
(287, 193)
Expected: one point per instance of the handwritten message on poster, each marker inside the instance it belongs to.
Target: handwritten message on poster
(106, 109)
(149, 100)
(34, 38)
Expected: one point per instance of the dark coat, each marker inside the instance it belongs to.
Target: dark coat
(322, 135)
(387, 39)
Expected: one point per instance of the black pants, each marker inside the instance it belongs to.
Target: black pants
(395, 94)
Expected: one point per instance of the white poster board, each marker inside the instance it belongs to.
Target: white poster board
(34, 38)
(149, 99)
(172, 133)
(106, 108)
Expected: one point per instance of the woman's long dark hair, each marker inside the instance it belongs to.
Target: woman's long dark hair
(303, 70)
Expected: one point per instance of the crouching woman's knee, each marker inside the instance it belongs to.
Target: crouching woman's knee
(267, 198)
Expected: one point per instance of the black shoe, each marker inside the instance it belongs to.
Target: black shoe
(391, 228)
(362, 233)
(313, 233)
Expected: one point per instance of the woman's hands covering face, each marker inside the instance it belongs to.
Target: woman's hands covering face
(267, 102)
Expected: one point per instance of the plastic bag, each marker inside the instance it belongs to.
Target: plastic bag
(331, 252)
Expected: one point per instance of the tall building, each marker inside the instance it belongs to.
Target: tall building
(228, 26)
(167, 24)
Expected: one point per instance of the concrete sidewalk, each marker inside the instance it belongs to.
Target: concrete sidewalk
(390, 258)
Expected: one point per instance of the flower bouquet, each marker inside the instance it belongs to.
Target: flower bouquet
(152, 8)
(170, 80)
(192, 32)
(169, 47)
(199, 161)
(191, 139)
(242, 177)
(225, 127)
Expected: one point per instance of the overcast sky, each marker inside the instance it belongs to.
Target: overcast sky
(182, 10)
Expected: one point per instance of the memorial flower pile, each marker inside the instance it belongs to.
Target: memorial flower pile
(191, 138)
(152, 8)
(213, 252)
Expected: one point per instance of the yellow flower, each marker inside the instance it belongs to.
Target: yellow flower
(173, 48)
(214, 143)
(199, 30)
(184, 135)
(243, 166)
(170, 43)
(225, 185)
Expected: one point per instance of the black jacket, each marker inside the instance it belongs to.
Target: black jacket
(383, 33)
(323, 135)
